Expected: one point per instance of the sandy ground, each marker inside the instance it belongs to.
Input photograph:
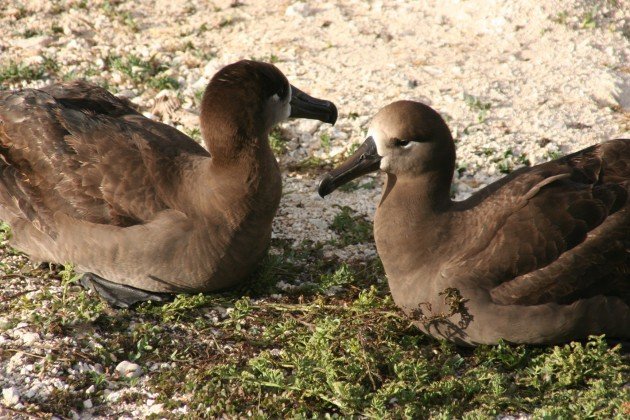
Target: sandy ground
(518, 81)
(555, 77)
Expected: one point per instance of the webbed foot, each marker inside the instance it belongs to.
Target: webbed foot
(119, 295)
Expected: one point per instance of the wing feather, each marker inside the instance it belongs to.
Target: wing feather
(75, 148)
(567, 229)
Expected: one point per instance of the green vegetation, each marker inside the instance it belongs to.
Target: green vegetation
(334, 345)
(277, 142)
(561, 18)
(358, 184)
(16, 72)
(588, 20)
(228, 21)
(353, 148)
(585, 20)
(351, 228)
(21, 13)
(142, 71)
(508, 161)
(29, 33)
(476, 104)
(311, 164)
(56, 29)
(195, 134)
(198, 97)
(554, 155)
(163, 82)
(124, 17)
(343, 276)
(325, 141)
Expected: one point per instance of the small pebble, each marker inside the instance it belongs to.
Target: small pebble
(30, 338)
(10, 396)
(129, 370)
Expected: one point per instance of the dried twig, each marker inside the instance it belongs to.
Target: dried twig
(16, 295)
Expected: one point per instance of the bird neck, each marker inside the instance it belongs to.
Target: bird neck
(247, 185)
(412, 226)
(417, 196)
(413, 213)
(230, 125)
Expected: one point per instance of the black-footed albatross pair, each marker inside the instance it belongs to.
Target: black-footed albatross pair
(136, 205)
(541, 256)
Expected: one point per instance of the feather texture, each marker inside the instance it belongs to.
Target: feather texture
(540, 256)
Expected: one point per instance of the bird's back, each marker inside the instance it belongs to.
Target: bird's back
(77, 149)
(557, 232)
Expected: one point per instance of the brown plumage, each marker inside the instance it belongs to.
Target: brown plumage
(540, 256)
(87, 179)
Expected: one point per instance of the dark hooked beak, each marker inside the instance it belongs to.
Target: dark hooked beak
(305, 106)
(363, 161)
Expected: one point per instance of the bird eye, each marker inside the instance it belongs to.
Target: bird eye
(282, 92)
(401, 143)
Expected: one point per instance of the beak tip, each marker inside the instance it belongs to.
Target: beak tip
(305, 106)
(364, 160)
(333, 114)
(325, 186)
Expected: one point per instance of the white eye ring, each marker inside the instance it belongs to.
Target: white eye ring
(275, 97)
(405, 144)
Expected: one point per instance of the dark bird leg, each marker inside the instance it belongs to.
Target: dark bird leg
(119, 295)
